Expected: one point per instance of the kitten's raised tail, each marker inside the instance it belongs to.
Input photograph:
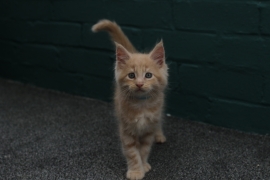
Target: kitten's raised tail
(115, 32)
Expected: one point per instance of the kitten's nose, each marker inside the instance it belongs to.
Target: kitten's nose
(139, 85)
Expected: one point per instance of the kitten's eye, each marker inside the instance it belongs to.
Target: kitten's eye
(148, 75)
(131, 75)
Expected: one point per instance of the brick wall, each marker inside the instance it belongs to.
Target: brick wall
(218, 52)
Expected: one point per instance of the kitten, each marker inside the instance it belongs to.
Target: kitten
(139, 98)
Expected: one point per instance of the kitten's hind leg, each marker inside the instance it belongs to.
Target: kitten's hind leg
(160, 138)
(159, 135)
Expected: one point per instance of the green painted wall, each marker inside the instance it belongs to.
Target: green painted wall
(218, 52)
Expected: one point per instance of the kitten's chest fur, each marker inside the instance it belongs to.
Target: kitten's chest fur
(143, 120)
(139, 118)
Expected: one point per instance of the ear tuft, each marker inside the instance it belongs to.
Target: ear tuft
(122, 55)
(158, 54)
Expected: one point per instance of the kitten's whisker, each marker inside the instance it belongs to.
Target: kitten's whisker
(153, 94)
(126, 94)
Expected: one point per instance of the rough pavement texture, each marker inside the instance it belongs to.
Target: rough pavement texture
(51, 135)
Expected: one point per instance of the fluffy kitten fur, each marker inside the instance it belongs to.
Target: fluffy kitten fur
(138, 98)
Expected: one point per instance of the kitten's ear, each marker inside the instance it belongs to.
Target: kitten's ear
(122, 55)
(158, 54)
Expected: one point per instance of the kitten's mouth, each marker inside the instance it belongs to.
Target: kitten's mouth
(140, 90)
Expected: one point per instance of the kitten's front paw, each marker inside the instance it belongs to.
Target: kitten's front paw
(135, 175)
(147, 167)
(160, 139)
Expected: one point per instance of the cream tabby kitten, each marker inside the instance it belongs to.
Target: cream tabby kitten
(139, 98)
